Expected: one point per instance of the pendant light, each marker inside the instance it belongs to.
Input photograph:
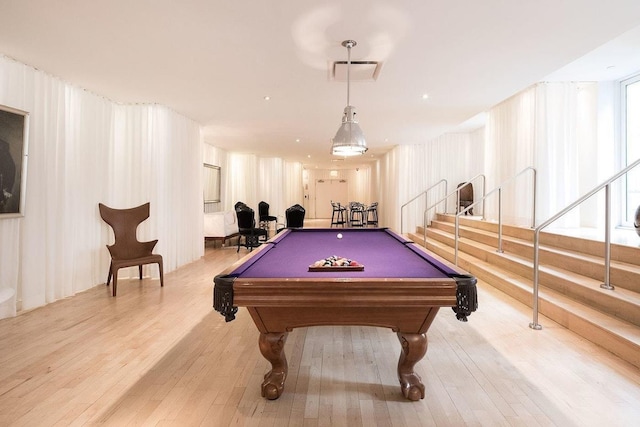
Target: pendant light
(349, 140)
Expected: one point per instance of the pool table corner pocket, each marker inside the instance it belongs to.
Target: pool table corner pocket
(223, 296)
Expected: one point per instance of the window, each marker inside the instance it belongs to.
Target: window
(631, 144)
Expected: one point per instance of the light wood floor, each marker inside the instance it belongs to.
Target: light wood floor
(162, 356)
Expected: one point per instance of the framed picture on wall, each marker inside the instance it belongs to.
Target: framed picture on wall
(211, 184)
(14, 129)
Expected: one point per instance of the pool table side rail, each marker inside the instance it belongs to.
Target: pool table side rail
(351, 292)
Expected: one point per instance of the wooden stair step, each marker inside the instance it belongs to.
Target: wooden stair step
(616, 335)
(552, 238)
(622, 274)
(621, 302)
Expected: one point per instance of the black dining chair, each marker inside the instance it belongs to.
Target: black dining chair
(247, 227)
(263, 215)
(295, 216)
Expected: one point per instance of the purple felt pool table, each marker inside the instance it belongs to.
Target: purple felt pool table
(401, 287)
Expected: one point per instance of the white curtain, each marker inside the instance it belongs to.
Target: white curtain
(293, 188)
(509, 149)
(252, 179)
(84, 149)
(359, 184)
(409, 170)
(553, 128)
(566, 140)
(563, 130)
(243, 176)
(271, 185)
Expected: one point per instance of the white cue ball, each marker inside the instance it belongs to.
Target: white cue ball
(339, 235)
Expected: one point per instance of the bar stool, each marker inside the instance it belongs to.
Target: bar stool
(337, 215)
(356, 214)
(372, 214)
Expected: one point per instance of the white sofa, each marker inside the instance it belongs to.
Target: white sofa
(220, 226)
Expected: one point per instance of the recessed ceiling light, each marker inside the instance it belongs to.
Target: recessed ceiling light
(309, 156)
(425, 96)
(297, 139)
(267, 98)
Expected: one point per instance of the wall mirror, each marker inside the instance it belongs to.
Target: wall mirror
(211, 186)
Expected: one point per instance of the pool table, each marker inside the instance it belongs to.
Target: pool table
(400, 286)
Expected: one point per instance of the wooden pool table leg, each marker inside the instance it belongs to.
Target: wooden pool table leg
(272, 348)
(414, 347)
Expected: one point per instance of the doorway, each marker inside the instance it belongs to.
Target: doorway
(328, 190)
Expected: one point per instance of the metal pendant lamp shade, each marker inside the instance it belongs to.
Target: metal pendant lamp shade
(349, 140)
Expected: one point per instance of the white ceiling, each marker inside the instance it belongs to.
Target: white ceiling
(215, 60)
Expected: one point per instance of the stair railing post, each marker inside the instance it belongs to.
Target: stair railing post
(607, 239)
(426, 194)
(536, 246)
(424, 230)
(533, 213)
(455, 256)
(500, 221)
(484, 193)
(607, 186)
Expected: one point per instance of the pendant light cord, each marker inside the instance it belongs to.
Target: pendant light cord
(348, 67)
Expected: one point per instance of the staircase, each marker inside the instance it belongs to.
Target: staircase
(570, 273)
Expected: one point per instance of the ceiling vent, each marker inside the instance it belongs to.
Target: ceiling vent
(360, 71)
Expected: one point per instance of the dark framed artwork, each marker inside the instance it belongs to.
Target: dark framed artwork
(14, 130)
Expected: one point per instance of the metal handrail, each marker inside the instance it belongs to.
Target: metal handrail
(445, 198)
(607, 237)
(424, 193)
(499, 190)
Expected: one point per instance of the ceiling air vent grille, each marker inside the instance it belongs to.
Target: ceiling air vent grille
(360, 71)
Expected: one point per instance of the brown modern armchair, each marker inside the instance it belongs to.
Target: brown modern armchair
(127, 251)
(465, 197)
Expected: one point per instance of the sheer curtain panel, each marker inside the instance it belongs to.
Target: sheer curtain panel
(85, 149)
